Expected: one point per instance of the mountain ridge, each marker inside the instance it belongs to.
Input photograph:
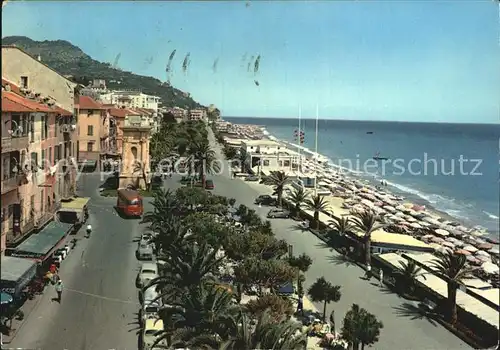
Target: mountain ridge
(68, 59)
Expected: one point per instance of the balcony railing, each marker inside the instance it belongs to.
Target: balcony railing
(10, 184)
(10, 144)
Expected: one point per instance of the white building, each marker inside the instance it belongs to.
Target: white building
(131, 99)
(269, 155)
(198, 114)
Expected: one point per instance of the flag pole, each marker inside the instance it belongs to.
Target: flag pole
(299, 166)
(316, 150)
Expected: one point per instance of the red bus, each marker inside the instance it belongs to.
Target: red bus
(129, 202)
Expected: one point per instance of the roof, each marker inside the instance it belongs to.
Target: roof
(43, 242)
(62, 111)
(13, 269)
(12, 102)
(265, 143)
(132, 111)
(75, 204)
(13, 87)
(149, 266)
(41, 62)
(86, 102)
(118, 112)
(465, 301)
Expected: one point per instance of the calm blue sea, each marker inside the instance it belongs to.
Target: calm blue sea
(451, 167)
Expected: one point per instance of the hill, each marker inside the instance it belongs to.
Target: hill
(69, 59)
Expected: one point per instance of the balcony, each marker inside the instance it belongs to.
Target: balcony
(10, 184)
(12, 238)
(10, 144)
(67, 128)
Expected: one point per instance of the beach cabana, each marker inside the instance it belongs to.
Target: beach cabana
(395, 241)
(442, 232)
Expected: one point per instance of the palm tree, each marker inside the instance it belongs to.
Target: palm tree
(325, 292)
(243, 158)
(366, 222)
(360, 327)
(298, 197)
(409, 272)
(453, 269)
(317, 204)
(302, 263)
(341, 225)
(277, 179)
(205, 160)
(266, 334)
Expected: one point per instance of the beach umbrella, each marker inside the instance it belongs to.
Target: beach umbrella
(473, 260)
(448, 244)
(478, 233)
(442, 232)
(401, 207)
(470, 248)
(481, 252)
(483, 258)
(367, 203)
(442, 249)
(492, 240)
(418, 207)
(411, 219)
(6, 298)
(400, 214)
(484, 246)
(490, 268)
(494, 250)
(415, 225)
(437, 240)
(389, 208)
(408, 205)
(463, 252)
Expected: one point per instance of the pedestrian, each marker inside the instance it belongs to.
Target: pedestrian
(300, 304)
(59, 289)
(381, 277)
(368, 273)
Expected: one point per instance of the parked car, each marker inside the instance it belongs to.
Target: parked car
(156, 183)
(252, 178)
(265, 199)
(186, 180)
(209, 185)
(278, 213)
(146, 238)
(144, 251)
(148, 272)
(150, 332)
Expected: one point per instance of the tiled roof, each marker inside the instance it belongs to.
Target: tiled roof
(62, 111)
(13, 87)
(86, 102)
(12, 102)
(118, 112)
(132, 111)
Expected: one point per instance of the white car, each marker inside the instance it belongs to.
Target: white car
(148, 272)
(150, 332)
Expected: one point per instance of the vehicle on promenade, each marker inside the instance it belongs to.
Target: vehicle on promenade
(129, 202)
(75, 211)
(278, 213)
(265, 199)
(144, 251)
(252, 178)
(148, 272)
(146, 238)
(150, 333)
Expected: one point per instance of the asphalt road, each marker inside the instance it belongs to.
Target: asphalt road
(100, 301)
(403, 328)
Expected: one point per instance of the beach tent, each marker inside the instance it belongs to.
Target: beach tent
(490, 268)
(442, 232)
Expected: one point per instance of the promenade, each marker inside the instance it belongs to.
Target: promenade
(402, 329)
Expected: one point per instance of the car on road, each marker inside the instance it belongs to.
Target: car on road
(146, 238)
(209, 185)
(144, 251)
(252, 178)
(278, 213)
(156, 183)
(148, 272)
(265, 199)
(150, 332)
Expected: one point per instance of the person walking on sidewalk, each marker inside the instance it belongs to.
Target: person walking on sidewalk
(368, 273)
(381, 277)
(59, 289)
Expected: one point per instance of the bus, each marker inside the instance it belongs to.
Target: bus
(129, 202)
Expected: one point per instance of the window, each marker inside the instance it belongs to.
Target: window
(45, 127)
(43, 159)
(24, 82)
(266, 162)
(134, 152)
(34, 160)
(90, 130)
(50, 156)
(57, 154)
(32, 129)
(90, 146)
(286, 163)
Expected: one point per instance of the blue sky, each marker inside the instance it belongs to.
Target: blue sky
(375, 60)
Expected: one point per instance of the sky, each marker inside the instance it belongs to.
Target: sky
(422, 60)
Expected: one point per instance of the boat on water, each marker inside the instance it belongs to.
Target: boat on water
(369, 132)
(378, 157)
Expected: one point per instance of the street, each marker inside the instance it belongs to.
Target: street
(99, 302)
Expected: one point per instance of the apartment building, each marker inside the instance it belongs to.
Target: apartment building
(180, 114)
(269, 155)
(198, 114)
(131, 99)
(39, 141)
(93, 123)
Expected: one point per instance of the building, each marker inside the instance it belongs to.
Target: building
(93, 123)
(269, 155)
(198, 114)
(179, 114)
(29, 156)
(135, 170)
(37, 177)
(131, 99)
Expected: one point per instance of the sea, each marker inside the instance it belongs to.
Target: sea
(452, 168)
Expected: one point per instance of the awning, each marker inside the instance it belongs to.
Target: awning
(16, 274)
(75, 205)
(41, 244)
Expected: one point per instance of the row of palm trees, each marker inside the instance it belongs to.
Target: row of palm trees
(451, 267)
